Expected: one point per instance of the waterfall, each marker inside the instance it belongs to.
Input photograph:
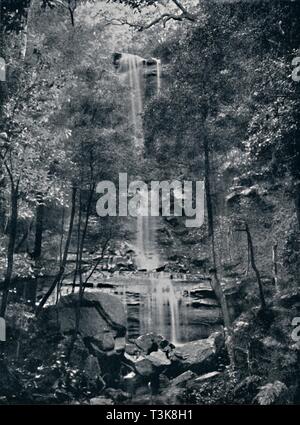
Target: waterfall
(133, 67)
(162, 291)
(165, 296)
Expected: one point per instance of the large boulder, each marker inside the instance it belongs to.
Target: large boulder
(148, 365)
(102, 318)
(149, 342)
(199, 356)
(101, 327)
(90, 322)
(144, 367)
(158, 359)
(108, 306)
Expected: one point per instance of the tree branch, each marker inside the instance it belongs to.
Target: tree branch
(164, 17)
(99, 259)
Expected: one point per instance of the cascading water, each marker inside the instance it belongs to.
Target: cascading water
(162, 291)
(133, 67)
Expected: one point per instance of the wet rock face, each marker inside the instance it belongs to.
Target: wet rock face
(116, 57)
(149, 64)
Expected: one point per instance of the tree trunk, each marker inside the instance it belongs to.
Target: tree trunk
(297, 203)
(275, 266)
(11, 247)
(88, 212)
(62, 230)
(61, 271)
(215, 282)
(24, 44)
(40, 212)
(209, 206)
(37, 251)
(77, 243)
(81, 283)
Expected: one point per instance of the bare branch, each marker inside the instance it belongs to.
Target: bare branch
(164, 18)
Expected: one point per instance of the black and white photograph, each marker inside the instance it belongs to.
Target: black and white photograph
(149, 206)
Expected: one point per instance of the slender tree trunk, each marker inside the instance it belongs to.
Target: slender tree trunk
(11, 247)
(209, 206)
(37, 251)
(40, 212)
(81, 283)
(62, 229)
(297, 203)
(24, 45)
(215, 282)
(61, 271)
(77, 243)
(97, 262)
(275, 266)
(87, 216)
